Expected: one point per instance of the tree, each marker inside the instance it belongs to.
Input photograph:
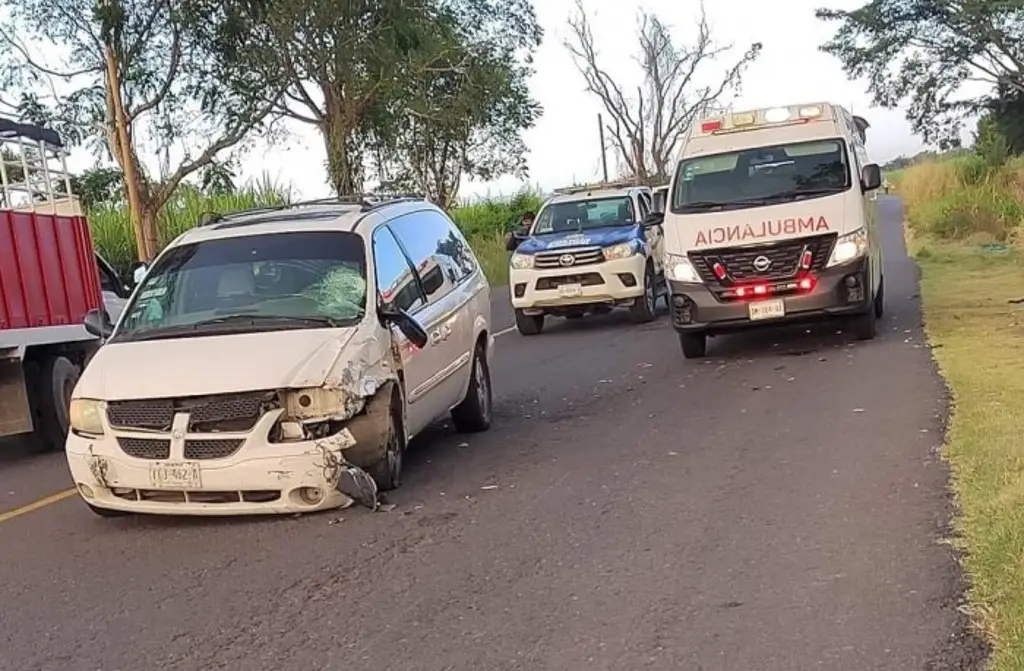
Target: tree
(146, 74)
(464, 117)
(340, 64)
(924, 52)
(1004, 117)
(645, 130)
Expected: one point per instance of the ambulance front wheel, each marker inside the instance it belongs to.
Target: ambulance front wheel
(694, 345)
(529, 325)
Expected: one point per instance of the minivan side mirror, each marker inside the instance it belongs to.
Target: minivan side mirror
(870, 177)
(654, 219)
(405, 323)
(97, 323)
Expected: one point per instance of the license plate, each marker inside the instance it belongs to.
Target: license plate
(175, 475)
(570, 290)
(767, 309)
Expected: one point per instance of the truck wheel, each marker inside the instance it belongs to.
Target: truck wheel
(644, 309)
(529, 325)
(56, 380)
(474, 413)
(694, 345)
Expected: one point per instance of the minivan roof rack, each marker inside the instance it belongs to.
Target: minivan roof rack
(595, 186)
(366, 202)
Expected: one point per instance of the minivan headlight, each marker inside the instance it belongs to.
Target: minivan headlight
(849, 247)
(522, 261)
(86, 416)
(680, 269)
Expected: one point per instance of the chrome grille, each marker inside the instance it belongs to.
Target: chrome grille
(204, 448)
(580, 257)
(232, 412)
(145, 448)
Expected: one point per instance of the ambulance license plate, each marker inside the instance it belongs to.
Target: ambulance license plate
(766, 309)
(570, 290)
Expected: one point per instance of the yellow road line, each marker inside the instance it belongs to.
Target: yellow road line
(36, 505)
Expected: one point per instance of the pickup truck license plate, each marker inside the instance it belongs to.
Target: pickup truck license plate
(175, 475)
(570, 290)
(766, 309)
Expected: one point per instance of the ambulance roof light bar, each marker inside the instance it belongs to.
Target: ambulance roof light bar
(772, 116)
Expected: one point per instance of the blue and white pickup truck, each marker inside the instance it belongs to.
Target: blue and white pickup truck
(591, 249)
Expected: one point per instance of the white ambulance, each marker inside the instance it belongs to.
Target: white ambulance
(771, 219)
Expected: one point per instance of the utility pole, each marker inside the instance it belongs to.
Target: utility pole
(604, 156)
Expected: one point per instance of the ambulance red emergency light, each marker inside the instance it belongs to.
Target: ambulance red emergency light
(770, 217)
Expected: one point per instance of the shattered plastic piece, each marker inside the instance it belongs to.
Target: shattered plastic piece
(357, 484)
(858, 409)
(489, 487)
(386, 507)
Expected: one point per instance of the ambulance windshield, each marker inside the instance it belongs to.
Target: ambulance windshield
(761, 176)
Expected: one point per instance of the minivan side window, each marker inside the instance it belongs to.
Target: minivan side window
(396, 283)
(437, 249)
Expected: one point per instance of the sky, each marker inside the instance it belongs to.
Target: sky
(564, 146)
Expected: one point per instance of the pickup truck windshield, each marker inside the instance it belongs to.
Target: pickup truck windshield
(761, 176)
(583, 215)
(253, 283)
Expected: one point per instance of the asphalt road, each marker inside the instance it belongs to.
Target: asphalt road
(779, 505)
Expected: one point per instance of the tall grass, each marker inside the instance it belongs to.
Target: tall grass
(484, 222)
(964, 199)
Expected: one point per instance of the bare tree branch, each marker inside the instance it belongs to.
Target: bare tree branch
(647, 128)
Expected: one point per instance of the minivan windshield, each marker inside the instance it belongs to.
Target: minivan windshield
(312, 279)
(761, 176)
(584, 215)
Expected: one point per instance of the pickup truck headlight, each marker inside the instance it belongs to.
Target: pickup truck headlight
(86, 416)
(622, 250)
(522, 261)
(849, 247)
(680, 269)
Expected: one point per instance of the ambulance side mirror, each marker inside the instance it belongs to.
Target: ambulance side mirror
(654, 219)
(870, 177)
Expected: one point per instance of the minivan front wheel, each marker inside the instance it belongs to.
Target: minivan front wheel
(387, 472)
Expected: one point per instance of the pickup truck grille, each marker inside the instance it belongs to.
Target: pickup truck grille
(784, 257)
(579, 257)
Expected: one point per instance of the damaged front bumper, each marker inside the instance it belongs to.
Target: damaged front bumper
(260, 478)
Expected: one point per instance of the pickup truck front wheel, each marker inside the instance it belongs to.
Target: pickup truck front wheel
(645, 309)
(529, 325)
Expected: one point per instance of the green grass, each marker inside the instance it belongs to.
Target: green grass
(978, 340)
(483, 222)
(979, 345)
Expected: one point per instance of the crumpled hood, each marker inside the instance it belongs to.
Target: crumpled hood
(707, 230)
(598, 237)
(219, 364)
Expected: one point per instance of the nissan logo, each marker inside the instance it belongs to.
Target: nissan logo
(762, 263)
(567, 259)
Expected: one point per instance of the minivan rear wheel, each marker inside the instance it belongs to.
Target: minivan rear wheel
(474, 413)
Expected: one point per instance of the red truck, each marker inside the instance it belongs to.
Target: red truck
(50, 277)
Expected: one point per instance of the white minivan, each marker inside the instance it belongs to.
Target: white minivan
(771, 218)
(279, 360)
